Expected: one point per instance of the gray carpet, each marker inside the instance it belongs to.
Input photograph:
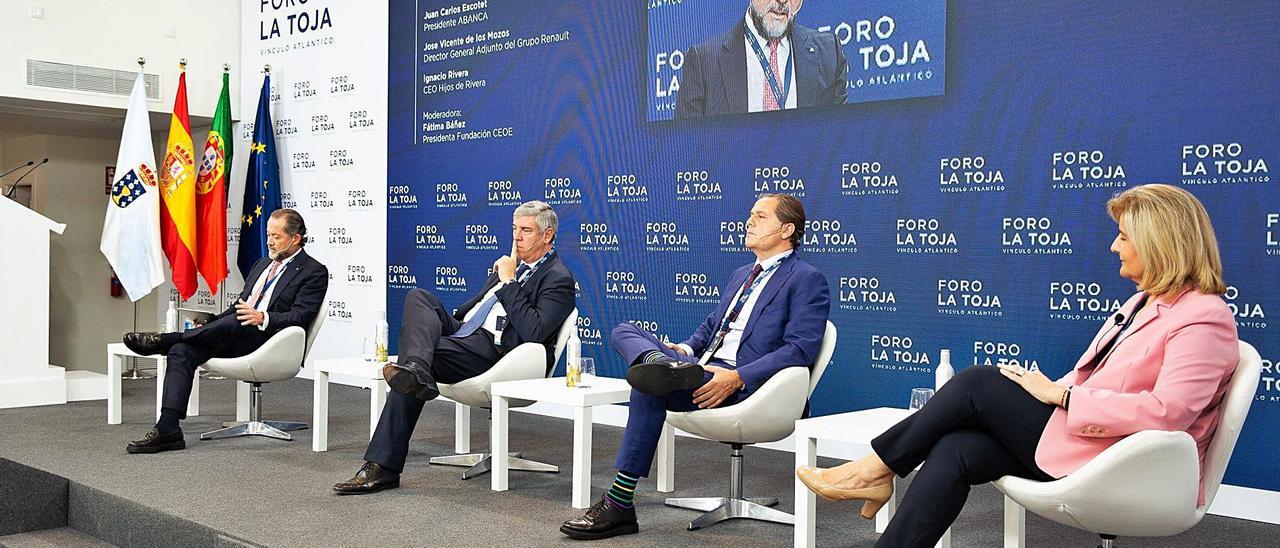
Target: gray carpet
(272, 493)
(63, 537)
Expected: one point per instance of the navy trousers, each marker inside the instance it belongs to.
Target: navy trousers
(425, 336)
(646, 413)
(221, 338)
(978, 428)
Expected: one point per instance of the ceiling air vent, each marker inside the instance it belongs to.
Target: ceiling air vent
(89, 79)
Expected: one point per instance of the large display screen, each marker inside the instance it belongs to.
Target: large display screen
(964, 210)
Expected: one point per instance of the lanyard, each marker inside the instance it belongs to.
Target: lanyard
(529, 274)
(779, 93)
(730, 316)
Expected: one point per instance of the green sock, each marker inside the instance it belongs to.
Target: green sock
(623, 492)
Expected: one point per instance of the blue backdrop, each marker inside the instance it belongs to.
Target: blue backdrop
(968, 216)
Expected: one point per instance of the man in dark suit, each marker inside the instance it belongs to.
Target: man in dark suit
(765, 62)
(772, 315)
(284, 289)
(526, 299)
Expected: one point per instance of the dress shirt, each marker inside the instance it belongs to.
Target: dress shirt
(491, 321)
(756, 81)
(266, 296)
(728, 351)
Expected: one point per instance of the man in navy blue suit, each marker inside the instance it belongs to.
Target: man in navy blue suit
(765, 62)
(772, 315)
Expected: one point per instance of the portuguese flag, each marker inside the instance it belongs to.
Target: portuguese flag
(211, 193)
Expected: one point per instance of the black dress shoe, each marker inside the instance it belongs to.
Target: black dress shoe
(144, 344)
(664, 375)
(155, 442)
(370, 479)
(602, 520)
(402, 380)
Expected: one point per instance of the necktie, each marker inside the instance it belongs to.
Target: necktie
(746, 286)
(271, 276)
(737, 309)
(770, 100)
(472, 325)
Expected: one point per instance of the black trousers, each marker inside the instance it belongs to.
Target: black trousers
(978, 428)
(221, 338)
(437, 357)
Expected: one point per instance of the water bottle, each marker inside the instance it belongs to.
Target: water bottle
(171, 317)
(381, 339)
(573, 359)
(944, 372)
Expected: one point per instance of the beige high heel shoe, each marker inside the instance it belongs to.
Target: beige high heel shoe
(875, 496)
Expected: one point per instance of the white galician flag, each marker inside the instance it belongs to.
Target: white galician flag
(131, 233)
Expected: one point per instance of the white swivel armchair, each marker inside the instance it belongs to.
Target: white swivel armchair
(524, 362)
(278, 359)
(768, 415)
(1145, 485)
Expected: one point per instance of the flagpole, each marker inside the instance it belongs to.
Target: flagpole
(134, 373)
(182, 68)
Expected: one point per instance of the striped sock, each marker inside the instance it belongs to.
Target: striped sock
(652, 356)
(623, 492)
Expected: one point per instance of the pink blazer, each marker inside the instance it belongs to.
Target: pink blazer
(1168, 372)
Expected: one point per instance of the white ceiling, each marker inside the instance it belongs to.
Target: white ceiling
(24, 117)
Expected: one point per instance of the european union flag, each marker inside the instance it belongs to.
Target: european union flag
(261, 185)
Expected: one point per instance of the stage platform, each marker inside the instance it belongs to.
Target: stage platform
(65, 479)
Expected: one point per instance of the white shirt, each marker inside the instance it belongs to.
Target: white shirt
(266, 297)
(756, 82)
(491, 321)
(728, 351)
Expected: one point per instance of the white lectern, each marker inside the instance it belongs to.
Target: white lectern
(26, 378)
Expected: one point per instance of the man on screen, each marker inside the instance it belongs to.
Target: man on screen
(527, 298)
(765, 62)
(283, 289)
(772, 315)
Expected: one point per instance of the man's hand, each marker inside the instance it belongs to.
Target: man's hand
(505, 266)
(676, 348)
(723, 383)
(246, 314)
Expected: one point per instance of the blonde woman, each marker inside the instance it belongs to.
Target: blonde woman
(1162, 363)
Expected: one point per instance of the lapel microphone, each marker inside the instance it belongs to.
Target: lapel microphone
(1121, 321)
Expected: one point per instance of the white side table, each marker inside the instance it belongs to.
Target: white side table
(371, 372)
(858, 427)
(604, 390)
(116, 353)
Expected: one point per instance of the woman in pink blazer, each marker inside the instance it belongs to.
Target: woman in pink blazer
(1162, 363)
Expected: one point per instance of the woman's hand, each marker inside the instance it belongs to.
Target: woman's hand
(1035, 383)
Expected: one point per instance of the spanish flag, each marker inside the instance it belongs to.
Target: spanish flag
(178, 196)
(211, 193)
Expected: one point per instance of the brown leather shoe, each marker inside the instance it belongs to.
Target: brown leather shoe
(402, 380)
(602, 520)
(875, 495)
(155, 442)
(370, 479)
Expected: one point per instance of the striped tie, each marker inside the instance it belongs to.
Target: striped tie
(271, 275)
(771, 100)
